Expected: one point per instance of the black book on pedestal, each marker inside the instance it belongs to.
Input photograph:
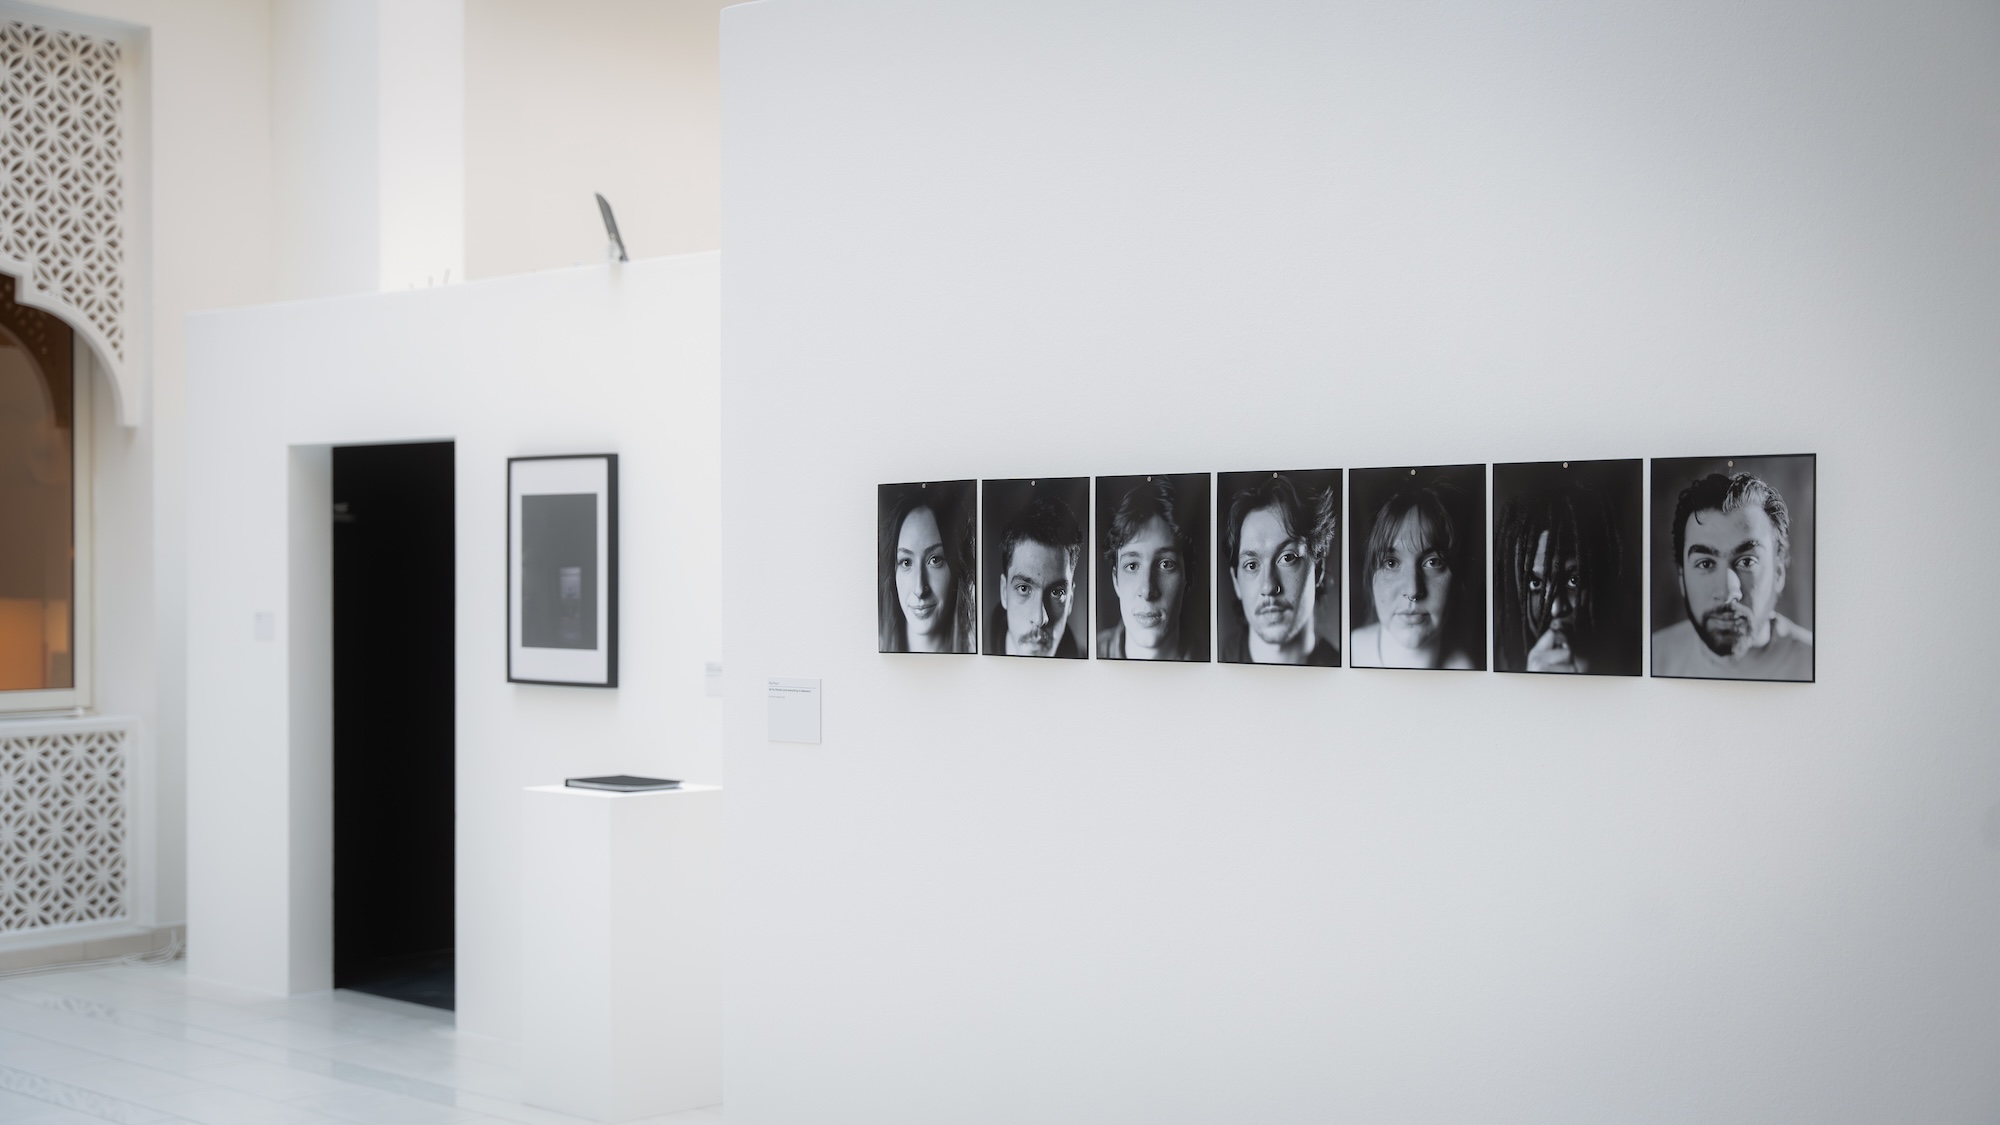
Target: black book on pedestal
(622, 783)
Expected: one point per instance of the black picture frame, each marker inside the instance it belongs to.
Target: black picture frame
(1676, 649)
(562, 570)
(1052, 514)
(942, 616)
(1310, 503)
(1448, 505)
(1569, 561)
(1179, 502)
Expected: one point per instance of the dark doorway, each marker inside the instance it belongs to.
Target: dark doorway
(393, 721)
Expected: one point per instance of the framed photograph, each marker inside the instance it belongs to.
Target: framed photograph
(1733, 567)
(1568, 588)
(562, 570)
(1152, 546)
(926, 575)
(1037, 590)
(1418, 558)
(1277, 567)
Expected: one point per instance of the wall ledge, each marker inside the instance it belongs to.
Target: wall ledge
(91, 941)
(68, 722)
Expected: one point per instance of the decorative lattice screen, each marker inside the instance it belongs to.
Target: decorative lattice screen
(62, 825)
(62, 205)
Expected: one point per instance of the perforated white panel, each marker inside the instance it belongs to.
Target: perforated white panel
(62, 827)
(62, 205)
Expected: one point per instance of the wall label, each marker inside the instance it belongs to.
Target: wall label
(791, 710)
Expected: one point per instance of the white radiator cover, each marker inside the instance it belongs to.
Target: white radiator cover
(63, 786)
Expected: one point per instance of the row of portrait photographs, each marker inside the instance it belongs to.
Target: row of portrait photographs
(1732, 567)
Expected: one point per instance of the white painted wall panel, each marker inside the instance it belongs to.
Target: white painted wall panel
(600, 359)
(327, 153)
(203, 232)
(611, 96)
(1041, 239)
(422, 142)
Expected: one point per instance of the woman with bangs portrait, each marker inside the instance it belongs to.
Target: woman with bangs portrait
(1419, 572)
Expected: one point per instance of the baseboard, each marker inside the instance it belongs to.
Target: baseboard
(66, 946)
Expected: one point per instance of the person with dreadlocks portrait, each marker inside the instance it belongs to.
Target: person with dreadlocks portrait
(1566, 588)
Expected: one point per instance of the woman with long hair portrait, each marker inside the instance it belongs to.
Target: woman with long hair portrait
(926, 584)
(1418, 580)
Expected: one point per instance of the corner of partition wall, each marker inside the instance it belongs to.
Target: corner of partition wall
(309, 685)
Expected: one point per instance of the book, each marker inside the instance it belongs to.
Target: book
(622, 783)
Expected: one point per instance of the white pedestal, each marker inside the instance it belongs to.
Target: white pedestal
(622, 950)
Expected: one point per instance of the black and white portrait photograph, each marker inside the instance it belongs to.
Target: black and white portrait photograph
(1152, 552)
(1036, 588)
(1418, 567)
(1277, 576)
(1568, 595)
(926, 584)
(562, 570)
(1733, 567)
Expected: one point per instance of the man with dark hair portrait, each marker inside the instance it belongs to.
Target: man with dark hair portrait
(1732, 540)
(1150, 546)
(1039, 550)
(1566, 582)
(1275, 549)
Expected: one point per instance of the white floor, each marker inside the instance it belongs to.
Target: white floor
(143, 1043)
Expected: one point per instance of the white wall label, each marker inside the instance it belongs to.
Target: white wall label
(712, 679)
(791, 710)
(266, 624)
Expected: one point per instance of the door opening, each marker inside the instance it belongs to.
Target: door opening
(394, 699)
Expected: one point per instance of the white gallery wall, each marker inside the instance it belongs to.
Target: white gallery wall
(564, 100)
(201, 220)
(620, 359)
(1035, 238)
(293, 148)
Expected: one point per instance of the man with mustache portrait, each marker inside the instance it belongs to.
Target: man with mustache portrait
(1039, 549)
(1274, 586)
(1732, 538)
